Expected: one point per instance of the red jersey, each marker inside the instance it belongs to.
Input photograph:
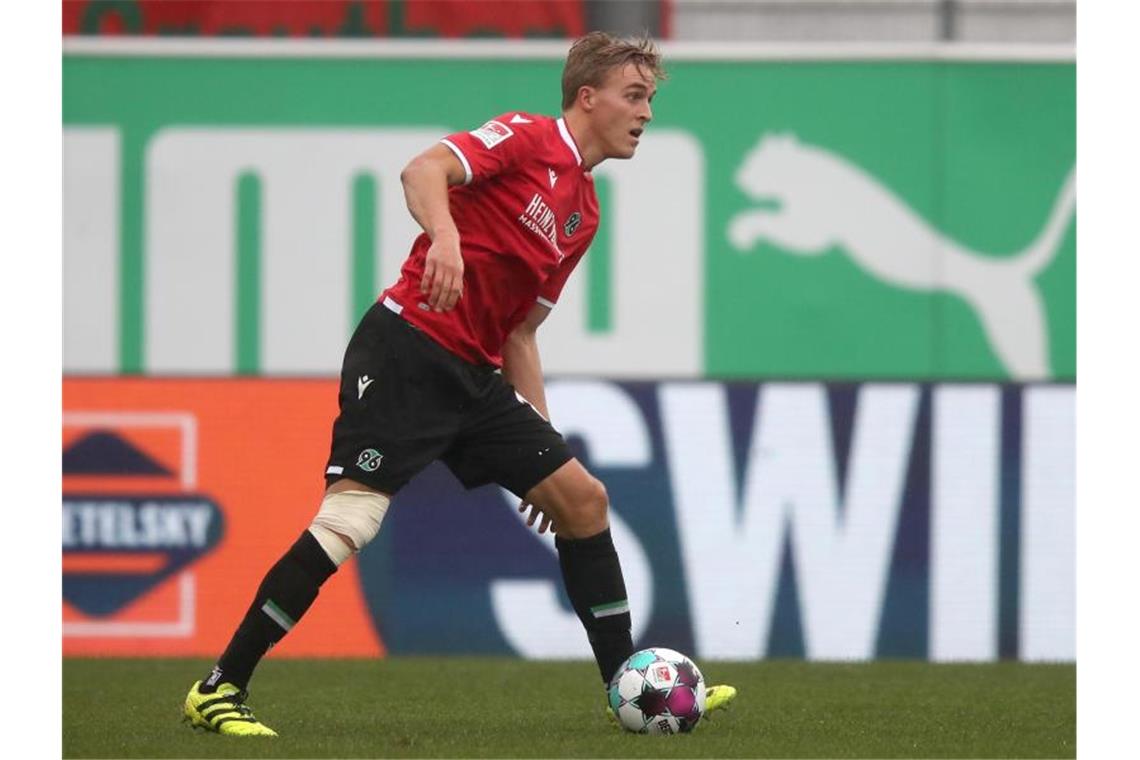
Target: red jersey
(526, 215)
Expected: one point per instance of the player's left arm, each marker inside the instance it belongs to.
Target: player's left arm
(522, 368)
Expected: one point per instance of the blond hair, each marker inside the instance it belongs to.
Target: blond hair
(593, 56)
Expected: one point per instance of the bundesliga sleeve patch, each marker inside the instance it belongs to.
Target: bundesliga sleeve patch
(492, 133)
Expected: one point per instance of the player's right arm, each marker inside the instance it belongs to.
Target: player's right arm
(425, 180)
(462, 158)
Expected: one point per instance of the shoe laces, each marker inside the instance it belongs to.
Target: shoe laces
(238, 699)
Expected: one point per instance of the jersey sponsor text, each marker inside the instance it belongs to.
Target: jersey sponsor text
(539, 218)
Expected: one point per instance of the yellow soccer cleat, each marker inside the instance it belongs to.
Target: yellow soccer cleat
(718, 697)
(224, 712)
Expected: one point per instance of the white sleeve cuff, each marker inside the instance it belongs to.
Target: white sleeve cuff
(462, 158)
(546, 303)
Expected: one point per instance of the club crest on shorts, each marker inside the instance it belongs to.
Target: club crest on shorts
(571, 225)
(369, 460)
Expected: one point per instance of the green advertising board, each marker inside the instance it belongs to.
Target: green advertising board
(782, 219)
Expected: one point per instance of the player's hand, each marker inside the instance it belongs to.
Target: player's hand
(534, 513)
(443, 273)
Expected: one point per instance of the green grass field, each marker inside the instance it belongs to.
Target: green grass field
(469, 707)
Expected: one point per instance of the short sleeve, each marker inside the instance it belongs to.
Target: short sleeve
(495, 147)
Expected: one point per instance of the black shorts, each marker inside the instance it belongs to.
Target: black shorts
(405, 401)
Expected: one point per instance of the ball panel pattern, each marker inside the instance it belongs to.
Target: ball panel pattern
(658, 691)
(631, 718)
(681, 702)
(630, 685)
(641, 660)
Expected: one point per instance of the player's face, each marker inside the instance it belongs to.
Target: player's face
(622, 110)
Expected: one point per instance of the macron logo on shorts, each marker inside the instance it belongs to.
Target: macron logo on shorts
(362, 384)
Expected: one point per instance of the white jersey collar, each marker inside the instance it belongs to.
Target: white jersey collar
(569, 139)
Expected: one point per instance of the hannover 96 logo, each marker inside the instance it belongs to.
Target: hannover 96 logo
(369, 460)
(571, 225)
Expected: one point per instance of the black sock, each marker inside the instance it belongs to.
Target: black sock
(286, 592)
(592, 574)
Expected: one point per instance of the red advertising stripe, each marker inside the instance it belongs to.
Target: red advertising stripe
(120, 484)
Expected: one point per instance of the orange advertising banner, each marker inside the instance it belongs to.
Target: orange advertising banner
(178, 495)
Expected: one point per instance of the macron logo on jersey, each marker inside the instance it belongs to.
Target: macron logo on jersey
(553, 177)
(492, 133)
(520, 119)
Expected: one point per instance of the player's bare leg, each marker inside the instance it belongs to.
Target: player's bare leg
(574, 499)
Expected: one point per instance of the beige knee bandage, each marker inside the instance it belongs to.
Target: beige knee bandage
(356, 515)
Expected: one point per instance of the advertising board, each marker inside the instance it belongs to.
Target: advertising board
(867, 219)
(843, 521)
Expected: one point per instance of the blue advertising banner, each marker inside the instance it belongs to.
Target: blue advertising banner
(827, 521)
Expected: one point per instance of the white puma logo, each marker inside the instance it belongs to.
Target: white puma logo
(824, 200)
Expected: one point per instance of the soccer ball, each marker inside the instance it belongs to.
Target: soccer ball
(658, 691)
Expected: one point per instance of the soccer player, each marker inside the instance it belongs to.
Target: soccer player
(445, 364)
